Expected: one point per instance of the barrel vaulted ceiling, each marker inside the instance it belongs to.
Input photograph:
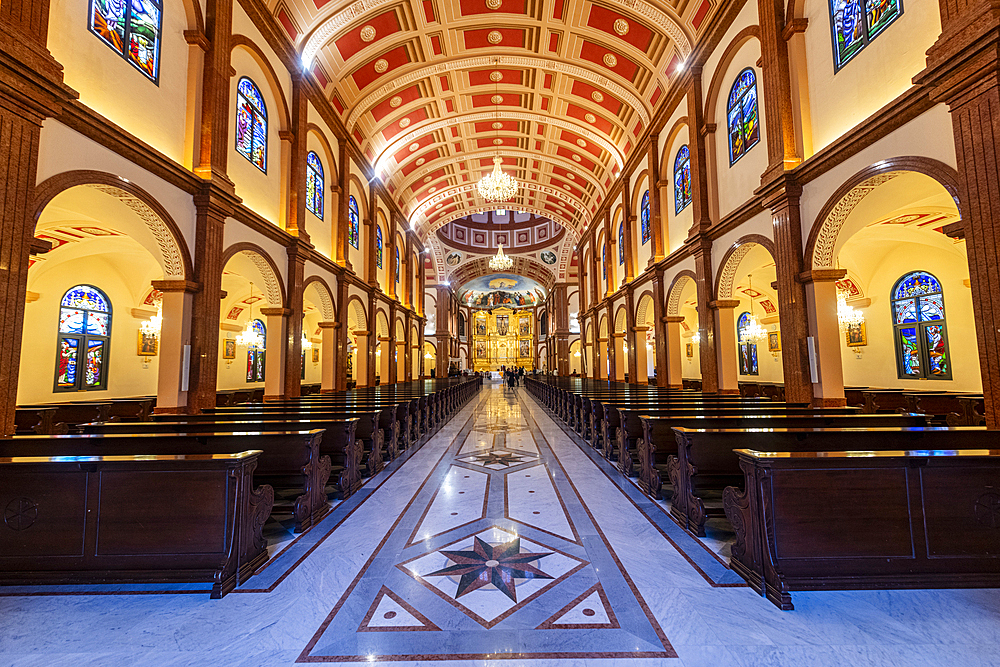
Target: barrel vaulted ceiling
(432, 89)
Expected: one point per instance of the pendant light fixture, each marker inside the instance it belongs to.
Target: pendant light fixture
(497, 186)
(752, 332)
(249, 337)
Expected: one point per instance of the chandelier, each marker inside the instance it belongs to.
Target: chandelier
(306, 343)
(752, 332)
(497, 186)
(249, 336)
(501, 262)
(152, 326)
(847, 316)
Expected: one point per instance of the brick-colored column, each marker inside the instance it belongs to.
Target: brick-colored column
(297, 253)
(706, 323)
(657, 229)
(961, 72)
(659, 329)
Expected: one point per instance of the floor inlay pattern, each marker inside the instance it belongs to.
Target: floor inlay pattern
(515, 581)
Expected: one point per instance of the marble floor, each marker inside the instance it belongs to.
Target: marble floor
(502, 539)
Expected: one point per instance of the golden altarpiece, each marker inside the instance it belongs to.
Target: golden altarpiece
(502, 337)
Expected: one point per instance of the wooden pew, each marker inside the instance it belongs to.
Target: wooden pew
(129, 519)
(631, 430)
(38, 420)
(705, 457)
(73, 414)
(340, 440)
(971, 412)
(288, 458)
(850, 520)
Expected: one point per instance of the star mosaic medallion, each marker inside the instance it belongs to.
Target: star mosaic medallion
(491, 574)
(498, 459)
(499, 565)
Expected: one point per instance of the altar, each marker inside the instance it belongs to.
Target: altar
(502, 337)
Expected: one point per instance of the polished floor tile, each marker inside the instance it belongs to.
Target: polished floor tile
(502, 539)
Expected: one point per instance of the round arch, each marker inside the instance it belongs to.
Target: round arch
(715, 87)
(331, 156)
(317, 286)
(274, 287)
(667, 157)
(357, 315)
(725, 279)
(175, 258)
(644, 308)
(621, 319)
(676, 288)
(820, 251)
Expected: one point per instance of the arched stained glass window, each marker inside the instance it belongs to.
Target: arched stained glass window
(682, 179)
(920, 328)
(747, 348)
(353, 221)
(133, 29)
(378, 246)
(251, 124)
(314, 184)
(621, 242)
(397, 264)
(644, 218)
(255, 355)
(857, 22)
(604, 261)
(84, 339)
(744, 122)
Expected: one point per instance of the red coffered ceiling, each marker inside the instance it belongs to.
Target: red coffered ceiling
(432, 89)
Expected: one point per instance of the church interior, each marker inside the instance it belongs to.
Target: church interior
(500, 332)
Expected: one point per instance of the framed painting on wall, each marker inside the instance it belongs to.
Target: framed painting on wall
(857, 335)
(315, 355)
(690, 350)
(774, 341)
(229, 348)
(149, 344)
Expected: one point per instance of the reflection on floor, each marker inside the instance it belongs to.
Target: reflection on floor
(502, 538)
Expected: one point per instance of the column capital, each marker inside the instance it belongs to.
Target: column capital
(327, 325)
(722, 304)
(822, 275)
(276, 312)
(672, 319)
(188, 286)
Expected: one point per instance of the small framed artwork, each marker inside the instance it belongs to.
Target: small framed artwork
(857, 335)
(229, 348)
(774, 341)
(690, 350)
(149, 344)
(315, 355)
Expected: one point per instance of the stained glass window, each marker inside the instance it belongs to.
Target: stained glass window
(604, 261)
(747, 350)
(378, 246)
(251, 124)
(682, 179)
(353, 221)
(132, 28)
(255, 355)
(314, 184)
(397, 265)
(84, 339)
(744, 122)
(857, 22)
(621, 243)
(644, 218)
(919, 327)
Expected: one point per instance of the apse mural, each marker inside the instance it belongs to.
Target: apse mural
(501, 289)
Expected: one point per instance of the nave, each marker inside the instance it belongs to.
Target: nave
(503, 538)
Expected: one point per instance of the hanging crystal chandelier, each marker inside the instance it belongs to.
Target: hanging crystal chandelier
(752, 332)
(249, 336)
(501, 262)
(306, 343)
(497, 186)
(847, 316)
